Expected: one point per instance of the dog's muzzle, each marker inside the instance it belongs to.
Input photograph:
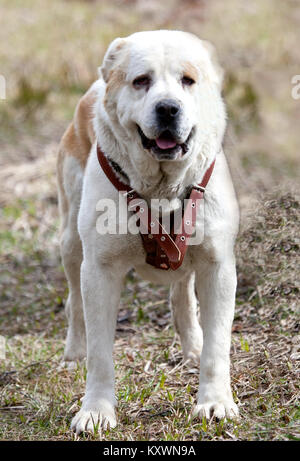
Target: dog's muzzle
(166, 146)
(167, 143)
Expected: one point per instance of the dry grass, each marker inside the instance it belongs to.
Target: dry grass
(46, 74)
(155, 390)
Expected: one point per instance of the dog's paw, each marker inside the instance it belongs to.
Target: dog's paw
(70, 365)
(192, 351)
(192, 345)
(216, 409)
(94, 420)
(73, 355)
(192, 355)
(72, 360)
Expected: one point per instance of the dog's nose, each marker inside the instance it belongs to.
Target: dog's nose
(167, 110)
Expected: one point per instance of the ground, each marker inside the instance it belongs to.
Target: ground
(46, 73)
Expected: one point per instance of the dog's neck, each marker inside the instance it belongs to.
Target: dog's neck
(149, 177)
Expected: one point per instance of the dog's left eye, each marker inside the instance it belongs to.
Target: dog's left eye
(188, 81)
(142, 81)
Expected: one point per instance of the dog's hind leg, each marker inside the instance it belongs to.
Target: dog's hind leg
(72, 157)
(71, 253)
(185, 317)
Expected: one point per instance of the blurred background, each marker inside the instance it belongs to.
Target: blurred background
(49, 54)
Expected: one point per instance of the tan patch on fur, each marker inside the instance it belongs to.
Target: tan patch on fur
(115, 80)
(79, 136)
(112, 59)
(190, 71)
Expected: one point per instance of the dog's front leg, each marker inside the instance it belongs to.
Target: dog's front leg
(101, 287)
(216, 285)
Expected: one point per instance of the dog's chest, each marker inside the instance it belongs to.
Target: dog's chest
(165, 277)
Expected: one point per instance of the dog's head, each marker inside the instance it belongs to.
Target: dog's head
(163, 93)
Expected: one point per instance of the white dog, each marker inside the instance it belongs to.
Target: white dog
(157, 114)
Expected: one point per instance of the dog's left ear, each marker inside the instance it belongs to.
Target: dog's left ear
(111, 57)
(217, 69)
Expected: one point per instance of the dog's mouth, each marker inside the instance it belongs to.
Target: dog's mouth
(165, 146)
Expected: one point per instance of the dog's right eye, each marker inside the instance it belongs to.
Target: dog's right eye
(188, 81)
(141, 82)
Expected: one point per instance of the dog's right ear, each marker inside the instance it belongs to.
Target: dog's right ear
(111, 58)
(218, 70)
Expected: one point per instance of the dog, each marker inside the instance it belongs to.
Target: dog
(157, 116)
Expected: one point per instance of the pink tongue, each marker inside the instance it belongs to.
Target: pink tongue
(165, 143)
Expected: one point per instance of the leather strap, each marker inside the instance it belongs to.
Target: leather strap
(110, 173)
(163, 250)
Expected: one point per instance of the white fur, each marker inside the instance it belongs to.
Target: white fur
(210, 267)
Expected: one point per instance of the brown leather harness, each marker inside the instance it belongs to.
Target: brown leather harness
(163, 250)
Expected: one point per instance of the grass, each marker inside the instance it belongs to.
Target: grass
(155, 390)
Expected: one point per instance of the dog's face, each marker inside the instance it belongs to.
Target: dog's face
(163, 93)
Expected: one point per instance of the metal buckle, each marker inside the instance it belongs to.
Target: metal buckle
(201, 188)
(125, 194)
